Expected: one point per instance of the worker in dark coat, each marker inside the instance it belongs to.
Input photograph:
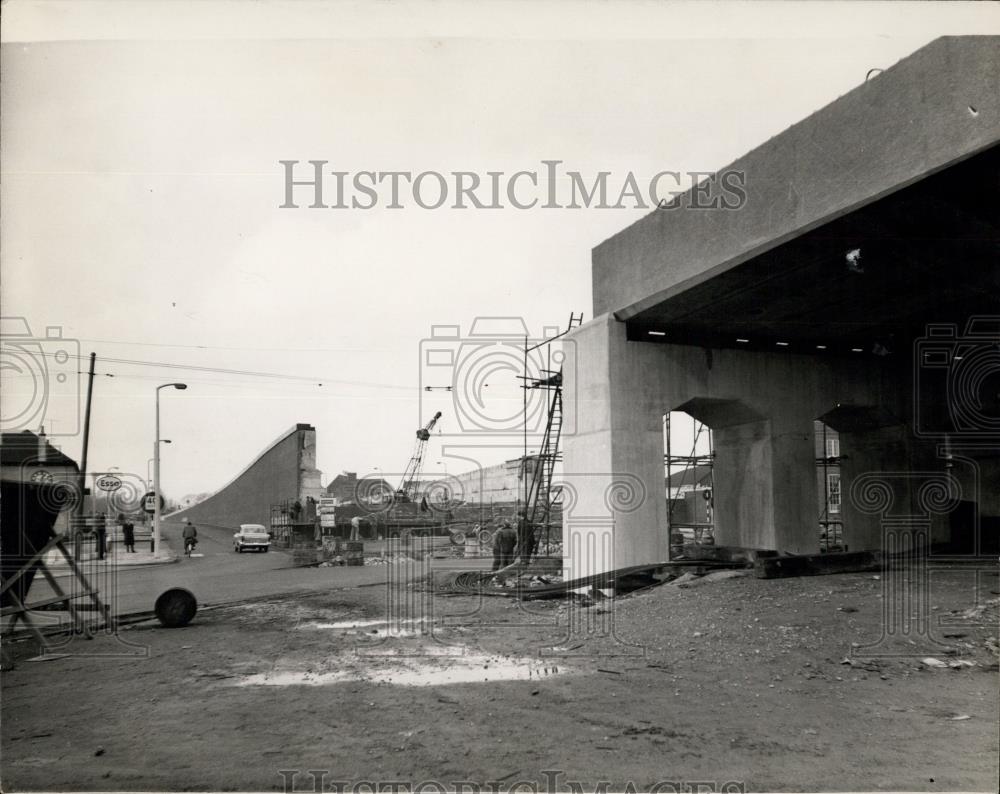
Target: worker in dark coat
(504, 541)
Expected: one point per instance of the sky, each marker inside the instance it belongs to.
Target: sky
(142, 191)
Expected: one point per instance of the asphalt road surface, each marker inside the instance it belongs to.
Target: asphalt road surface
(219, 575)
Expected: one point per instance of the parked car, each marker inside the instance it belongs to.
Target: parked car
(251, 536)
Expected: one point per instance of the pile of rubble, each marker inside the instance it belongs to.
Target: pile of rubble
(389, 559)
(525, 580)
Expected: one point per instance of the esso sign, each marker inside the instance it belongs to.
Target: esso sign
(108, 482)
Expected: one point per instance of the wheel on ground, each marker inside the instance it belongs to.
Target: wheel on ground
(175, 607)
(239, 549)
(265, 549)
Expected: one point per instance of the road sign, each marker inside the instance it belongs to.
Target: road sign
(149, 502)
(109, 482)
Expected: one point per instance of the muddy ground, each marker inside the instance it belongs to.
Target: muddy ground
(787, 685)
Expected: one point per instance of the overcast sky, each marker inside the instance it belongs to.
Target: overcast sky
(141, 190)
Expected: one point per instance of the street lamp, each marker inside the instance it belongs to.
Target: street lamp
(156, 468)
(149, 464)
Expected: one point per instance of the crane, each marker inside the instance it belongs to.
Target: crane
(408, 486)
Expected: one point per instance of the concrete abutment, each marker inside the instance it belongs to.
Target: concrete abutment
(761, 407)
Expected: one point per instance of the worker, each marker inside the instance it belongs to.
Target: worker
(356, 528)
(525, 537)
(504, 541)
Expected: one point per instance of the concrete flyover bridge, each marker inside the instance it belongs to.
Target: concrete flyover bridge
(285, 471)
(858, 284)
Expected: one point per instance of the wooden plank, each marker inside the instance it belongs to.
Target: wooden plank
(28, 564)
(13, 610)
(729, 554)
(817, 564)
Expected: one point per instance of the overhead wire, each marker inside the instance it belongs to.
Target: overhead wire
(317, 380)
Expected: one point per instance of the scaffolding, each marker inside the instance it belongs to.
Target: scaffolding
(291, 526)
(831, 525)
(542, 500)
(686, 473)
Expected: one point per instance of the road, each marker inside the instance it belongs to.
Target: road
(755, 684)
(220, 575)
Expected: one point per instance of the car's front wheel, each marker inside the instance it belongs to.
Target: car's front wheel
(239, 549)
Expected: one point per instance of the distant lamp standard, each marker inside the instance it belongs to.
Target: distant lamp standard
(156, 468)
(149, 464)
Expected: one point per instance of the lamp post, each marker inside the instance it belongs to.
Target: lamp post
(149, 463)
(156, 468)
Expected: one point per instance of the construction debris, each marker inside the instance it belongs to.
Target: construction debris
(693, 580)
(817, 564)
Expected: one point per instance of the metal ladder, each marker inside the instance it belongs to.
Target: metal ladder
(541, 493)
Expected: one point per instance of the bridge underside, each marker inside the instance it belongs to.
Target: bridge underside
(925, 254)
(881, 319)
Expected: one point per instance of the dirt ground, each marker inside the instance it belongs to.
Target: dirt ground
(740, 684)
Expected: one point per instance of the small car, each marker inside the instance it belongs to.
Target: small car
(251, 536)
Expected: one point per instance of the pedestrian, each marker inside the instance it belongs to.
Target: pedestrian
(356, 528)
(101, 538)
(128, 535)
(504, 541)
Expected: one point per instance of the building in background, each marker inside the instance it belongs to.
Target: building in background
(346, 489)
(29, 458)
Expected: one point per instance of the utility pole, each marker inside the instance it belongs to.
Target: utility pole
(155, 543)
(82, 481)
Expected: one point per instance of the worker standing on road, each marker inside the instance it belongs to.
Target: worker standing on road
(356, 528)
(504, 541)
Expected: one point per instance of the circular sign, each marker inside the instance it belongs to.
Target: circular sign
(108, 482)
(707, 494)
(149, 502)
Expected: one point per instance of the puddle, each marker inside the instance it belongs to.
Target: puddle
(367, 628)
(418, 672)
(343, 624)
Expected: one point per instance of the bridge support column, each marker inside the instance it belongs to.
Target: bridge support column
(615, 503)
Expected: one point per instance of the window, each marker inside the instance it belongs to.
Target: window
(833, 493)
(833, 447)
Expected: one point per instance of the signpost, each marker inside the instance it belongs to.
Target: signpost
(149, 502)
(327, 511)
